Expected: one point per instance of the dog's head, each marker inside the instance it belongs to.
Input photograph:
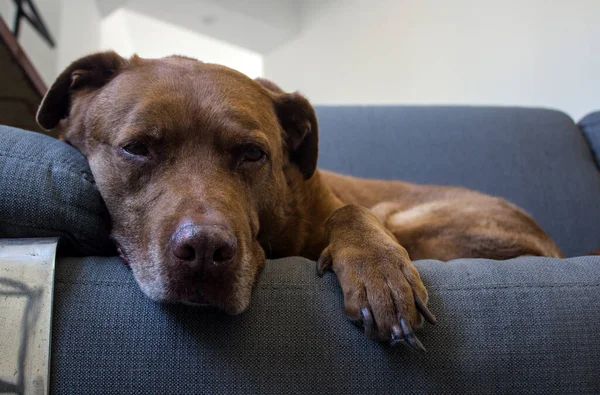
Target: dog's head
(194, 162)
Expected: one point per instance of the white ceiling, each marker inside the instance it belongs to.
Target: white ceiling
(258, 25)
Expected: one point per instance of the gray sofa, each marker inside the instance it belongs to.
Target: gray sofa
(524, 325)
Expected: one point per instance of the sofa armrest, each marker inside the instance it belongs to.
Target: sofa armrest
(590, 126)
(519, 325)
(47, 190)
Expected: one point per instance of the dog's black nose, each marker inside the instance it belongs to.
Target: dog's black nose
(203, 245)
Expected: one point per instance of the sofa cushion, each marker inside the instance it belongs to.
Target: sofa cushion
(535, 158)
(522, 325)
(47, 190)
(590, 126)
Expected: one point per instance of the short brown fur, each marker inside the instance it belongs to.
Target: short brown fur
(197, 122)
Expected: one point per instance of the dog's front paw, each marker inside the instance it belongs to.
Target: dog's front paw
(383, 291)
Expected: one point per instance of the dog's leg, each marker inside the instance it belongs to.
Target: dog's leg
(445, 230)
(382, 288)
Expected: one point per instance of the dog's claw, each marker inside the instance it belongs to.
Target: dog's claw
(414, 343)
(428, 315)
(323, 263)
(397, 337)
(368, 323)
(411, 339)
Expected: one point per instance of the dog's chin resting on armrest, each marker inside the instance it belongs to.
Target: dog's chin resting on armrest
(206, 173)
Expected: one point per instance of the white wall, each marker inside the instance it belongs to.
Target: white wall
(114, 33)
(506, 52)
(128, 32)
(79, 31)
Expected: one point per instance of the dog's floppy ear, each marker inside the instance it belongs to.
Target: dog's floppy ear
(90, 72)
(299, 121)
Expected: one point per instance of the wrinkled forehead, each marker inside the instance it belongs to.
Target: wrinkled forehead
(179, 94)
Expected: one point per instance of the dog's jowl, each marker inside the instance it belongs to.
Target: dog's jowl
(206, 173)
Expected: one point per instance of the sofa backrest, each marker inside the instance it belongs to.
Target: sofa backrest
(535, 158)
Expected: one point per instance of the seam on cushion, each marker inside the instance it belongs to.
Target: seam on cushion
(74, 240)
(107, 283)
(118, 284)
(67, 167)
(304, 286)
(33, 226)
(85, 209)
(513, 286)
(285, 286)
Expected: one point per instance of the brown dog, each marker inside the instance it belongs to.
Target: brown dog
(206, 172)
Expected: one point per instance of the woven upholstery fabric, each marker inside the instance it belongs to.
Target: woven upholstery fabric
(537, 159)
(47, 190)
(590, 126)
(527, 325)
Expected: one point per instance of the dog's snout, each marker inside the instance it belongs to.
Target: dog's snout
(201, 245)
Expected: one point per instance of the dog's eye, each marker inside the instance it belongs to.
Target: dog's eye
(254, 154)
(135, 148)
